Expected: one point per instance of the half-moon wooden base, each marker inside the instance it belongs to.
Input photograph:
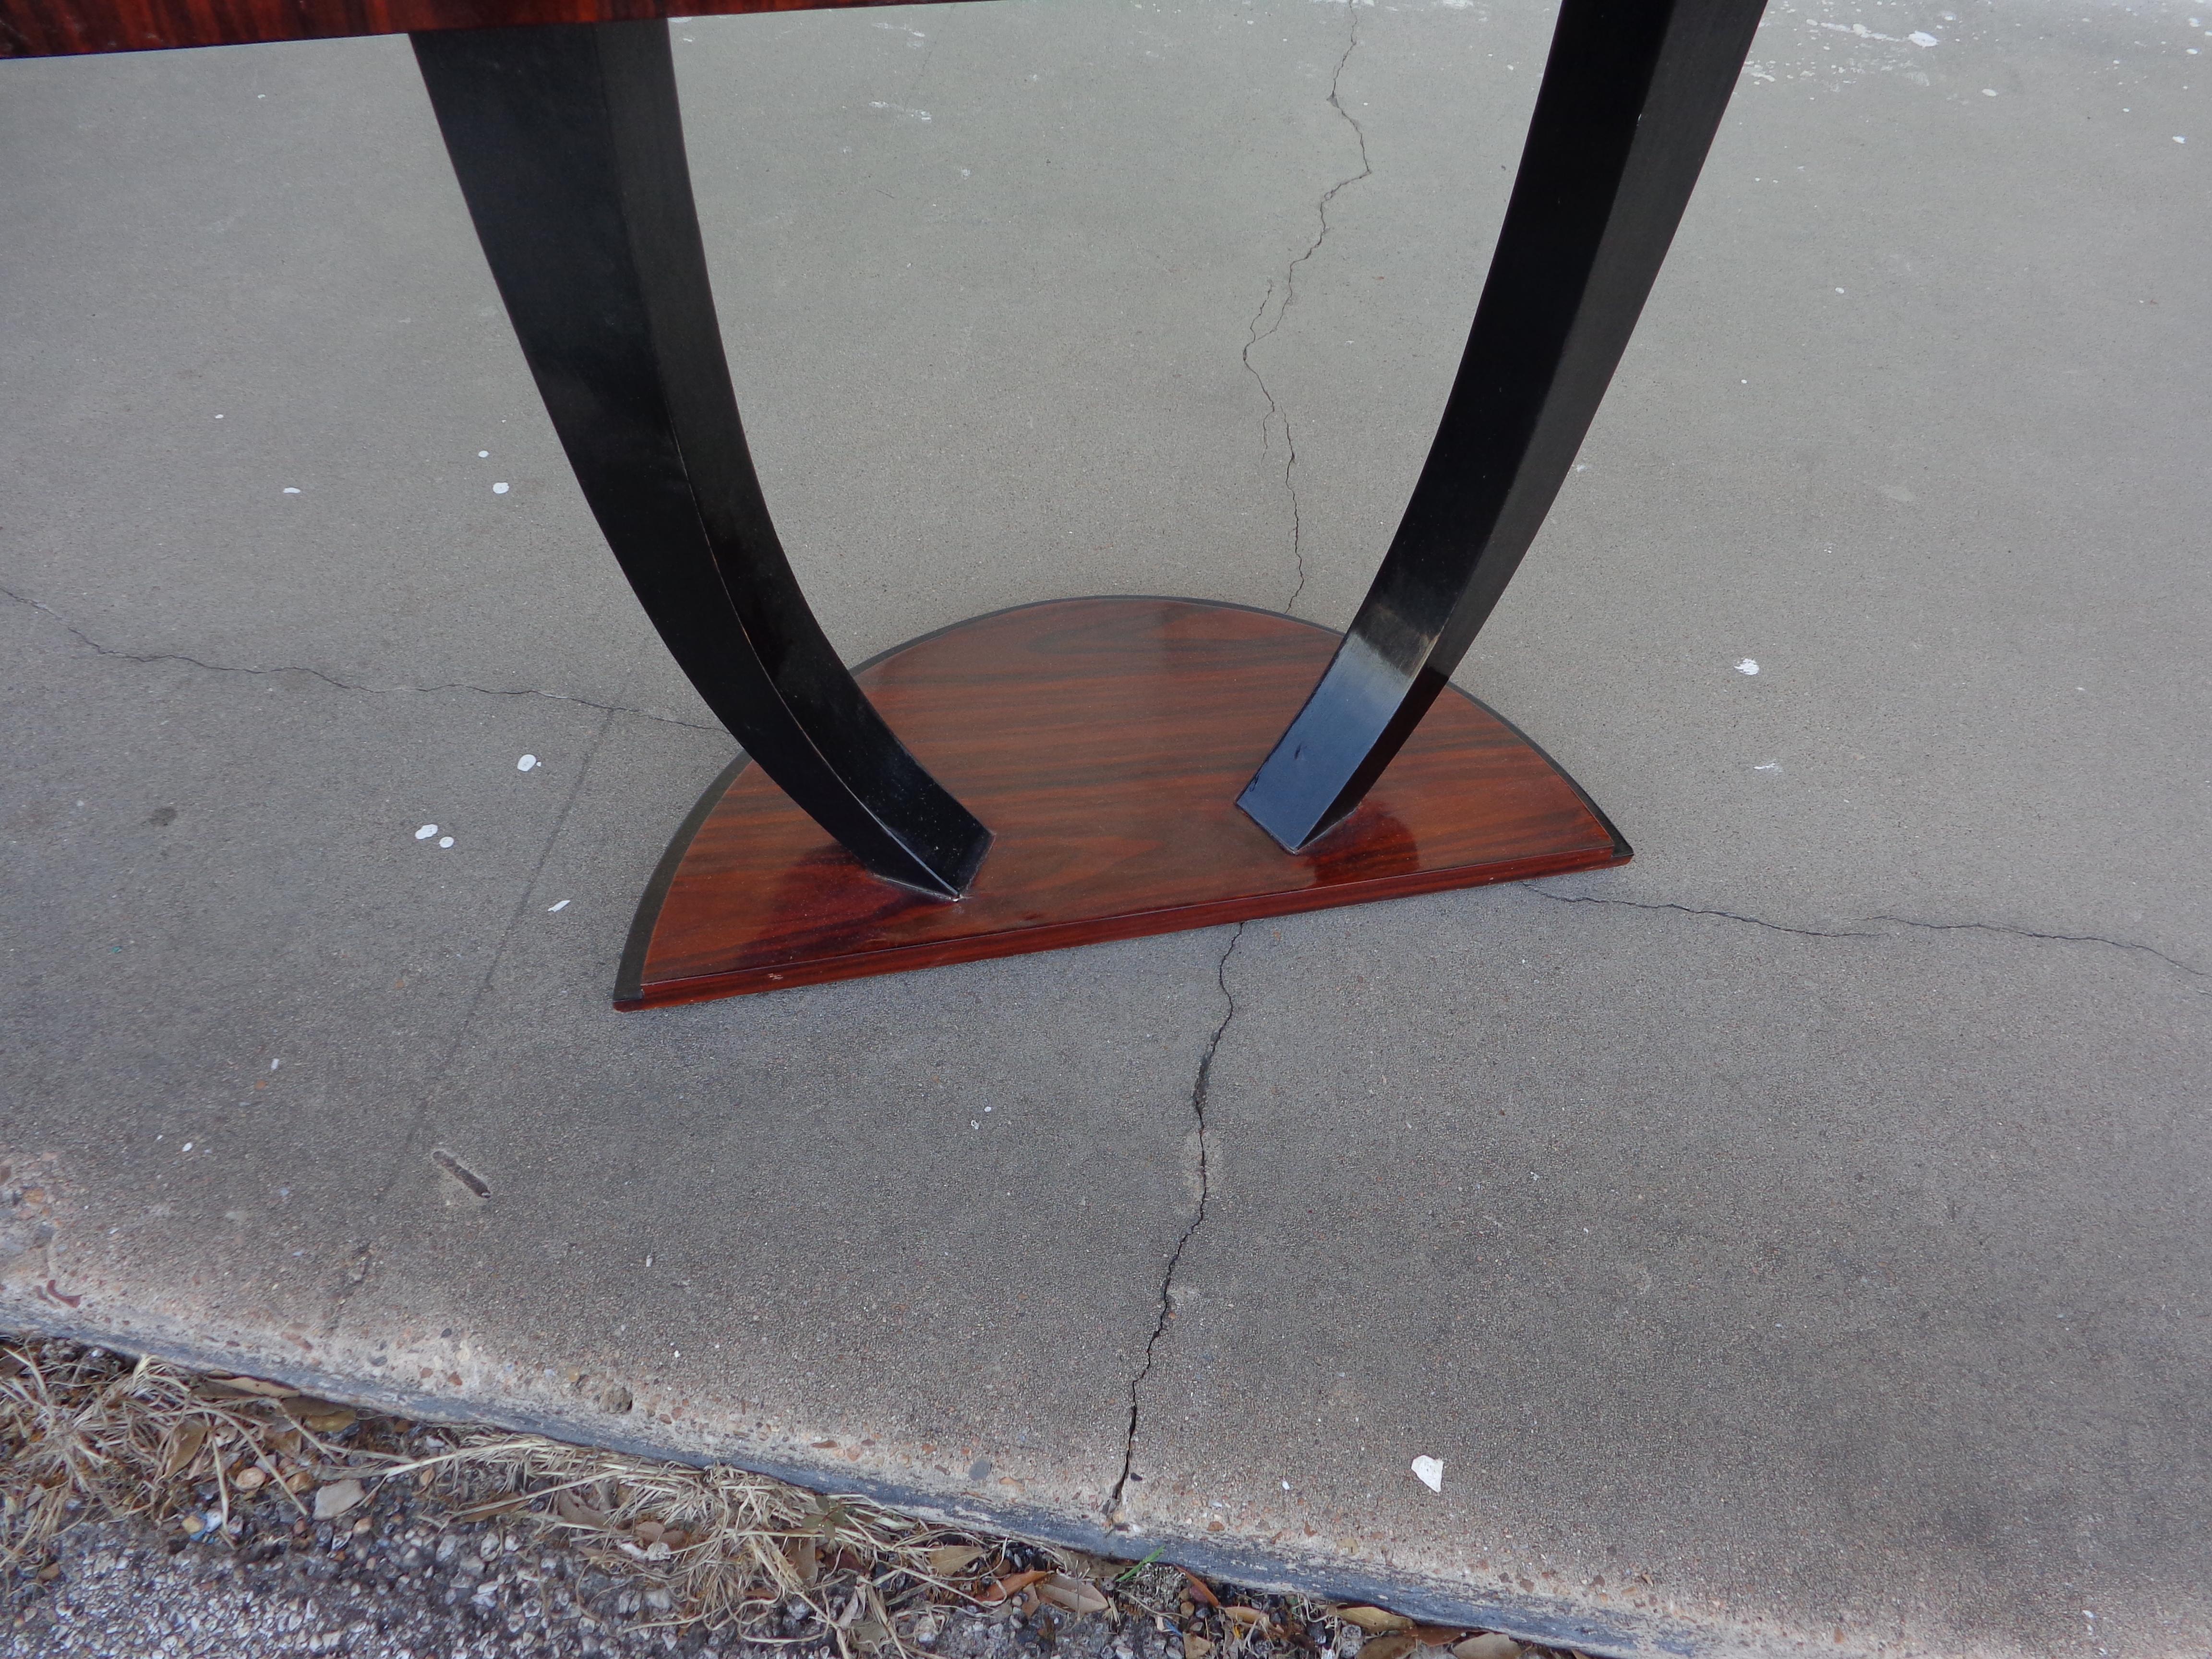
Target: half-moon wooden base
(1105, 742)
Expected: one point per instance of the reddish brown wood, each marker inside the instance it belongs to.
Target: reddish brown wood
(1103, 741)
(51, 28)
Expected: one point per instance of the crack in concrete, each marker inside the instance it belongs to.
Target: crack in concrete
(1862, 932)
(1692, 910)
(98, 649)
(1253, 333)
(2062, 939)
(1252, 337)
(1198, 1093)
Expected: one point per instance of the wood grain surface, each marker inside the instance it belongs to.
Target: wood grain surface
(1105, 742)
(52, 28)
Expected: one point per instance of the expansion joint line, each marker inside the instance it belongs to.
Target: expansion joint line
(1289, 290)
(100, 650)
(1198, 1093)
(402, 1159)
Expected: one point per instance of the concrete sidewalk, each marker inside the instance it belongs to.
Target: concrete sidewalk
(1795, 1237)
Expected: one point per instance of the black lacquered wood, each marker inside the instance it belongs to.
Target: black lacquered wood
(1632, 96)
(569, 147)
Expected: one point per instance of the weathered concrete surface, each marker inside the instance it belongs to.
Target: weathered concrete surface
(1876, 1081)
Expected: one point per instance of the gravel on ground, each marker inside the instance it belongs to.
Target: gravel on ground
(147, 1512)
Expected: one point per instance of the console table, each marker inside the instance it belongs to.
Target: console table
(1077, 770)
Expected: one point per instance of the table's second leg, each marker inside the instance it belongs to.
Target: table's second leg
(569, 147)
(1632, 94)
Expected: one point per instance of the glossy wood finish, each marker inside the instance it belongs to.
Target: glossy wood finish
(50, 28)
(1103, 740)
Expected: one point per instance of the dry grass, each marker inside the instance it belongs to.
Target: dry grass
(87, 1434)
(82, 1430)
(730, 1546)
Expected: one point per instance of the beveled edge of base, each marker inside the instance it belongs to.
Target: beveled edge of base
(629, 977)
(630, 994)
(1143, 924)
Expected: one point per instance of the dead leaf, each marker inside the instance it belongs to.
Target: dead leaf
(568, 1507)
(1375, 1621)
(1396, 1645)
(320, 1416)
(1197, 1588)
(335, 1499)
(1491, 1645)
(805, 1555)
(1246, 1617)
(1439, 1636)
(647, 1531)
(1012, 1586)
(184, 1446)
(255, 1385)
(1076, 1594)
(948, 1560)
(1195, 1647)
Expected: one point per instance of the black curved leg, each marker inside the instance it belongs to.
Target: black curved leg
(569, 147)
(1632, 97)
